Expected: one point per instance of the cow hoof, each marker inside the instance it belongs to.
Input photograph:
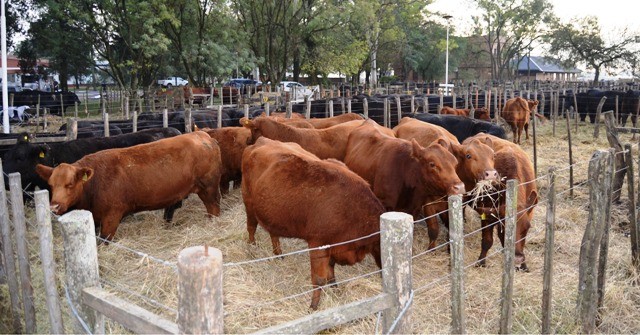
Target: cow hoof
(481, 264)
(332, 283)
(523, 267)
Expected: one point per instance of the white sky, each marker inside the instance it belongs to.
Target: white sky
(613, 14)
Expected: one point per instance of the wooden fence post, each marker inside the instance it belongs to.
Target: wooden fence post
(570, 157)
(43, 218)
(72, 129)
(307, 108)
(506, 314)
(618, 159)
(365, 106)
(349, 106)
(535, 141)
(385, 112)
(9, 259)
(331, 107)
(266, 108)
(188, 127)
(600, 184)
(219, 117)
(413, 104)
(399, 109)
(200, 309)
(246, 110)
(126, 106)
(633, 213)
(456, 235)
(441, 102)
(289, 110)
(81, 269)
(135, 121)
(396, 239)
(548, 254)
(106, 124)
(20, 230)
(165, 118)
(596, 131)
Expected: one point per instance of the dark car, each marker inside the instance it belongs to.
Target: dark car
(244, 85)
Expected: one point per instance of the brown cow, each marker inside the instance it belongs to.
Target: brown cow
(318, 123)
(517, 114)
(512, 163)
(317, 206)
(117, 182)
(402, 174)
(325, 143)
(475, 163)
(480, 113)
(232, 141)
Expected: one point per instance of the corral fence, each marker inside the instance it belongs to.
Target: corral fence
(200, 269)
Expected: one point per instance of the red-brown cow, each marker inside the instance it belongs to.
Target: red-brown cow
(325, 143)
(402, 174)
(480, 113)
(318, 206)
(318, 123)
(517, 114)
(475, 163)
(512, 163)
(117, 182)
(232, 141)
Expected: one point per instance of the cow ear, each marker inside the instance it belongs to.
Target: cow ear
(44, 171)
(416, 149)
(84, 174)
(488, 141)
(247, 123)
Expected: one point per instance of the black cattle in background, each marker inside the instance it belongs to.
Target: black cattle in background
(462, 127)
(53, 101)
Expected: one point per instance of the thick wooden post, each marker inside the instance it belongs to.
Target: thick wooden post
(81, 269)
(441, 102)
(535, 142)
(633, 213)
(365, 106)
(600, 184)
(456, 234)
(219, 118)
(106, 124)
(307, 109)
(453, 100)
(596, 131)
(289, 110)
(349, 105)
(200, 309)
(331, 107)
(72, 129)
(188, 126)
(135, 121)
(9, 260)
(413, 104)
(20, 230)
(399, 109)
(506, 314)
(618, 159)
(43, 217)
(396, 239)
(266, 108)
(126, 106)
(548, 254)
(570, 157)
(385, 112)
(245, 108)
(75, 111)
(165, 118)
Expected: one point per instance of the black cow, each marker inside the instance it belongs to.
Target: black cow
(462, 127)
(630, 107)
(52, 101)
(24, 156)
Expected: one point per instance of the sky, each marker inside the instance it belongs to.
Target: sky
(613, 14)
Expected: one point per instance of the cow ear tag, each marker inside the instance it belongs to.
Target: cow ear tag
(41, 155)
(85, 178)
(483, 216)
(26, 138)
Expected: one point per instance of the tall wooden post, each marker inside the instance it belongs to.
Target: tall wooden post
(633, 213)
(200, 308)
(165, 118)
(506, 311)
(548, 255)
(72, 129)
(365, 106)
(396, 239)
(106, 124)
(456, 235)
(219, 118)
(81, 269)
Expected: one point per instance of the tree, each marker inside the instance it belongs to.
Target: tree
(581, 42)
(510, 28)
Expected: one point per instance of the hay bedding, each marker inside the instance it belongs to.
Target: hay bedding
(256, 294)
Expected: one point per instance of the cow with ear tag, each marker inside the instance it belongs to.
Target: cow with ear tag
(117, 182)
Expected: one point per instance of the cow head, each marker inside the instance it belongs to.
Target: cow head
(67, 184)
(475, 162)
(532, 104)
(482, 113)
(23, 158)
(438, 168)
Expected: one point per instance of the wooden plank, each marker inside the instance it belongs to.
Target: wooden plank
(548, 255)
(633, 212)
(131, 316)
(618, 159)
(628, 130)
(456, 235)
(333, 317)
(596, 131)
(506, 311)
(20, 231)
(45, 232)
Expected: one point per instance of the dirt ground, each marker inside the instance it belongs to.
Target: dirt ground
(266, 293)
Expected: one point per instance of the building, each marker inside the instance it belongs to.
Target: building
(544, 69)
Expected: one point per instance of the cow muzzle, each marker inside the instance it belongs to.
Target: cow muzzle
(491, 175)
(55, 208)
(457, 189)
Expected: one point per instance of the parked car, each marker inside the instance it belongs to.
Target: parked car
(173, 81)
(244, 85)
(295, 89)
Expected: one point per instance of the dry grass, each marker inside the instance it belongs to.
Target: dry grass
(257, 295)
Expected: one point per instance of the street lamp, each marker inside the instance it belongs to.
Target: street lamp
(446, 65)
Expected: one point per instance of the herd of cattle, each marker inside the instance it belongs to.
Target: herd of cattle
(325, 180)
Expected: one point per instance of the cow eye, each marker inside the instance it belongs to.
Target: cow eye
(69, 186)
(432, 164)
(468, 156)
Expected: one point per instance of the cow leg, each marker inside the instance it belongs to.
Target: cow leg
(108, 226)
(521, 234)
(211, 199)
(526, 131)
(487, 241)
(169, 211)
(275, 242)
(321, 270)
(332, 275)
(252, 225)
(224, 186)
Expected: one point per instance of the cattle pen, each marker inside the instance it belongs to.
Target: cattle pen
(262, 293)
